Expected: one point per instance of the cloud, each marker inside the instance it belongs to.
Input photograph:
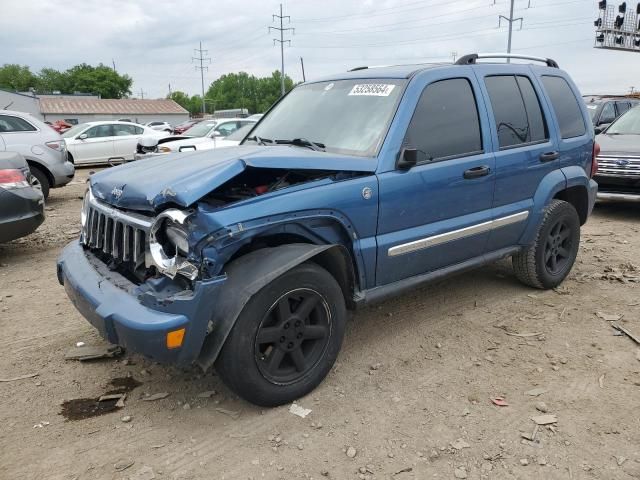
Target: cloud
(153, 40)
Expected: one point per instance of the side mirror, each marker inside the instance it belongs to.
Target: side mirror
(601, 128)
(217, 134)
(408, 159)
(83, 136)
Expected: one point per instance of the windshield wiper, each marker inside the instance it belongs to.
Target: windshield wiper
(303, 142)
(260, 140)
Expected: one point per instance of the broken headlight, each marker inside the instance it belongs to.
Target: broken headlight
(169, 245)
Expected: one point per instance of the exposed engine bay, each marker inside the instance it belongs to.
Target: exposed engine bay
(254, 182)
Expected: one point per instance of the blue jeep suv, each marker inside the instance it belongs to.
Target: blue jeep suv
(351, 189)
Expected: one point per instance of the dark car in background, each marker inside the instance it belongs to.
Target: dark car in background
(184, 126)
(618, 174)
(21, 204)
(604, 109)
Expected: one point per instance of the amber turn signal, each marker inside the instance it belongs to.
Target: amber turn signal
(175, 338)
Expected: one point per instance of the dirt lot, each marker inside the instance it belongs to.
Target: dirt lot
(410, 392)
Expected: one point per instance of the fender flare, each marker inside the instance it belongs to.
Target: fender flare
(552, 183)
(246, 276)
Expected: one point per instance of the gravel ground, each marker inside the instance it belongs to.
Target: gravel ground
(409, 397)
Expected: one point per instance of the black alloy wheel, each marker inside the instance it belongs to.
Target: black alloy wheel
(287, 337)
(292, 336)
(558, 247)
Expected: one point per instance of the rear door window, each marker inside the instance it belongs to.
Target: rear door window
(608, 114)
(100, 131)
(445, 122)
(565, 105)
(9, 123)
(516, 109)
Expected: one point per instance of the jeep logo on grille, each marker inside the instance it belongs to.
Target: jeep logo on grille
(622, 163)
(116, 192)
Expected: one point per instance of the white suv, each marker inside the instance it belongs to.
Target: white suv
(160, 126)
(42, 147)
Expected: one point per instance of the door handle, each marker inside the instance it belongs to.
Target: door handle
(476, 172)
(549, 156)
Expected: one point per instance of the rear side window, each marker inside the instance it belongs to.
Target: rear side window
(445, 122)
(565, 105)
(15, 124)
(608, 114)
(516, 110)
(622, 107)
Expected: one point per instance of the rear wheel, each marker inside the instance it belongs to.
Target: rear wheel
(40, 180)
(547, 262)
(286, 339)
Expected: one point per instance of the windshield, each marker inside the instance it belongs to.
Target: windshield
(344, 116)
(201, 129)
(75, 130)
(239, 134)
(626, 124)
(592, 109)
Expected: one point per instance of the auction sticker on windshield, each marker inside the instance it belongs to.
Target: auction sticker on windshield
(372, 89)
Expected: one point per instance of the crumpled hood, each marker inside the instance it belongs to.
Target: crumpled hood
(619, 144)
(182, 179)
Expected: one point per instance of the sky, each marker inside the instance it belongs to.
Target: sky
(153, 41)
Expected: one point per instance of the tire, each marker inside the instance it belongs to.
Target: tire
(40, 180)
(547, 262)
(267, 332)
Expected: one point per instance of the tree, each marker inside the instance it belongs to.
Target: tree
(181, 99)
(100, 80)
(241, 90)
(17, 77)
(51, 80)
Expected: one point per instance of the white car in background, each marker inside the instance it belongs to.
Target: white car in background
(206, 135)
(105, 142)
(160, 126)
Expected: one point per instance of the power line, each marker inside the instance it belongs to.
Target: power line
(282, 41)
(202, 58)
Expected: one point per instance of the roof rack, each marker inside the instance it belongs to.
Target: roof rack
(472, 58)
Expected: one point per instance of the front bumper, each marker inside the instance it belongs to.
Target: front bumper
(138, 320)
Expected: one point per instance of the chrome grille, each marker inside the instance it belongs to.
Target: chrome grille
(619, 166)
(120, 235)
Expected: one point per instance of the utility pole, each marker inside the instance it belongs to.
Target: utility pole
(169, 90)
(282, 41)
(632, 90)
(304, 79)
(141, 94)
(454, 55)
(114, 64)
(511, 21)
(202, 57)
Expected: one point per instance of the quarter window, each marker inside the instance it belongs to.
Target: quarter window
(445, 122)
(15, 124)
(516, 110)
(565, 105)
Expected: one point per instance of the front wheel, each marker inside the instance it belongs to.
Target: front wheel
(286, 339)
(547, 262)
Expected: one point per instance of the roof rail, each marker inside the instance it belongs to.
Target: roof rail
(355, 69)
(472, 57)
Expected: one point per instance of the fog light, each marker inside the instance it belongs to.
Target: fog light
(175, 338)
